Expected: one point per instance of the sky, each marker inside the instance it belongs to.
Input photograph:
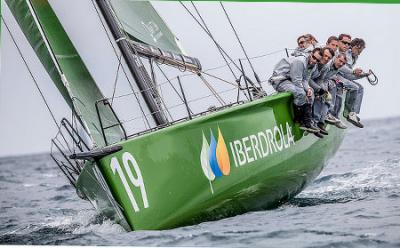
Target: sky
(26, 126)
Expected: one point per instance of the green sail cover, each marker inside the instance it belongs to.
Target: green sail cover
(83, 91)
(141, 21)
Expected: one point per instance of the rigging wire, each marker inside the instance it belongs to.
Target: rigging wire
(145, 119)
(220, 49)
(217, 96)
(221, 79)
(205, 72)
(212, 37)
(72, 138)
(169, 81)
(217, 44)
(152, 85)
(116, 79)
(31, 74)
(224, 65)
(181, 104)
(57, 65)
(152, 88)
(153, 75)
(241, 44)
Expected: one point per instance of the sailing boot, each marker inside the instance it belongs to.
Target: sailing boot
(298, 114)
(307, 123)
(319, 135)
(322, 129)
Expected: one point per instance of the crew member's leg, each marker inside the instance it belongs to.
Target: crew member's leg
(320, 111)
(358, 98)
(302, 103)
(353, 102)
(332, 117)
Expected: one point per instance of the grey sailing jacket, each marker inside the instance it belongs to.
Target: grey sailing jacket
(327, 72)
(347, 70)
(294, 69)
(305, 51)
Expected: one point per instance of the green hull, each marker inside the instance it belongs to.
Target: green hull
(158, 180)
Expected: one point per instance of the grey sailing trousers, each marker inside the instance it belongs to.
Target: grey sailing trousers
(320, 109)
(336, 91)
(299, 94)
(354, 96)
(321, 106)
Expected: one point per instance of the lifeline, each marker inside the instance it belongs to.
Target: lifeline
(256, 146)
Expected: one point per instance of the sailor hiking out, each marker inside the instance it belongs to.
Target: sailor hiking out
(293, 75)
(325, 87)
(320, 86)
(347, 76)
(317, 77)
(306, 44)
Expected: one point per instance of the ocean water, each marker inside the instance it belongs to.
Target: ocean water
(355, 202)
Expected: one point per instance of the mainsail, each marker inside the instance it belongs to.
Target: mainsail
(150, 35)
(142, 23)
(59, 57)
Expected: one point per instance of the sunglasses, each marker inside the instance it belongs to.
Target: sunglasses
(345, 42)
(315, 58)
(301, 42)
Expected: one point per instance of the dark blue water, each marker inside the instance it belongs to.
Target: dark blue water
(355, 202)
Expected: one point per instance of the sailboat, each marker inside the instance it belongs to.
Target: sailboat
(241, 156)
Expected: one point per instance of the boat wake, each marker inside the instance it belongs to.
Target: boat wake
(378, 177)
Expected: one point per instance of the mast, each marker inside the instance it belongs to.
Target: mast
(137, 69)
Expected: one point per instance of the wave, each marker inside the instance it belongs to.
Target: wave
(376, 178)
(62, 229)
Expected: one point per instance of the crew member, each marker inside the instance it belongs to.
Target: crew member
(325, 101)
(293, 75)
(320, 87)
(302, 44)
(343, 47)
(332, 43)
(348, 75)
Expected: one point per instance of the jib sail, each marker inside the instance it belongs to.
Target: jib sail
(59, 57)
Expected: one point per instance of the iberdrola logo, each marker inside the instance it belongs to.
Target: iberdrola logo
(214, 158)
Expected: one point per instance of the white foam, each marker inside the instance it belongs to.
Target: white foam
(82, 222)
(376, 176)
(29, 185)
(106, 227)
